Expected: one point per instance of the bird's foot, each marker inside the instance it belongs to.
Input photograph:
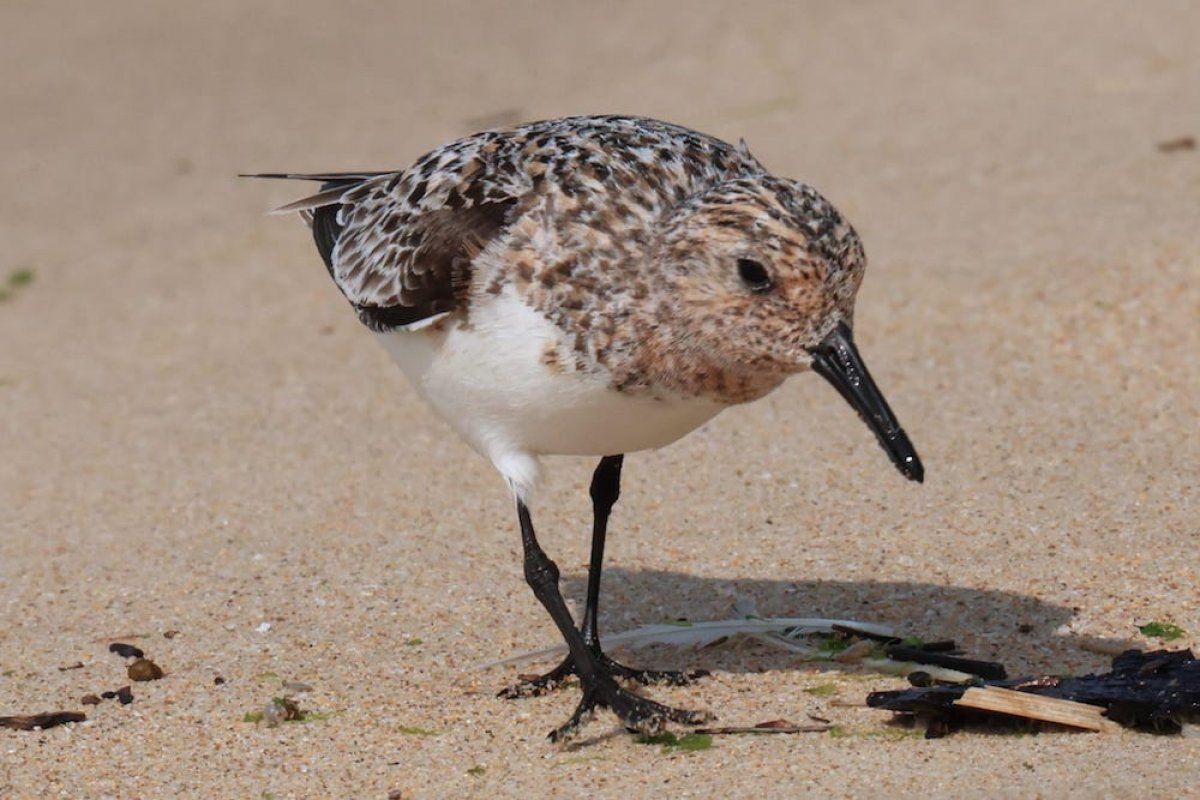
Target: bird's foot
(536, 685)
(637, 713)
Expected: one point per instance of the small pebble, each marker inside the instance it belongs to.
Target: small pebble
(218, 681)
(90, 700)
(124, 694)
(144, 670)
(125, 650)
(171, 634)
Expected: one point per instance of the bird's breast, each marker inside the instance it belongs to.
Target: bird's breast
(488, 375)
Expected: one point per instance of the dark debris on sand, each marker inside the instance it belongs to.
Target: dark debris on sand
(1177, 145)
(1157, 691)
(124, 694)
(143, 669)
(48, 719)
(126, 650)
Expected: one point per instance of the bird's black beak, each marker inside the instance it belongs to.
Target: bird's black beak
(836, 359)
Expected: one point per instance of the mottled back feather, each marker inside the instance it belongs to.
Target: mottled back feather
(400, 245)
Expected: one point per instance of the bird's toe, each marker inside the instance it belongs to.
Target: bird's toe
(536, 685)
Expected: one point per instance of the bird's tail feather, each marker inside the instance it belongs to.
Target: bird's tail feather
(326, 197)
(333, 186)
(324, 177)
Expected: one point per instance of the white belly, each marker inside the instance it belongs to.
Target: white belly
(488, 380)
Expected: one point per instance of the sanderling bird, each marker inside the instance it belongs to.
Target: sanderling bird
(593, 286)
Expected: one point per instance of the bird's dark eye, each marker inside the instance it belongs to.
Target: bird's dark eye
(754, 275)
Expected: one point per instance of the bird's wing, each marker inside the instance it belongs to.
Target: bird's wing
(403, 246)
(400, 245)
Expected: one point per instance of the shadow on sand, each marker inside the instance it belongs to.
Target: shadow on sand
(1016, 630)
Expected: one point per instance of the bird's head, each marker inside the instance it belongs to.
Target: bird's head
(762, 274)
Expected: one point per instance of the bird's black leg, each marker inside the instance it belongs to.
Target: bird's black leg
(599, 686)
(606, 488)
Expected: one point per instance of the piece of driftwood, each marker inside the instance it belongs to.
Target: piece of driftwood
(1157, 691)
(1036, 706)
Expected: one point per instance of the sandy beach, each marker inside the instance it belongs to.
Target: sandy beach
(197, 437)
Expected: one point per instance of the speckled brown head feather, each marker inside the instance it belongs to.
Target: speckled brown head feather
(756, 272)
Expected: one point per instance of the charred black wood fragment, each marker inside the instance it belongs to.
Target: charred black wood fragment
(1157, 691)
(989, 670)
